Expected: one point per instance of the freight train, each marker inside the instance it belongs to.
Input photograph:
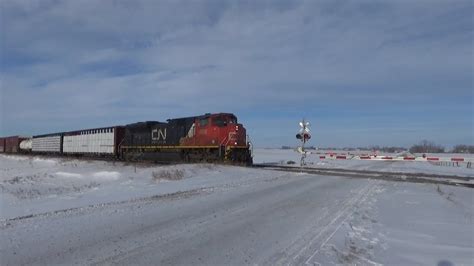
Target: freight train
(205, 138)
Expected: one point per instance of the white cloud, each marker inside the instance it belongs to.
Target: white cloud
(94, 60)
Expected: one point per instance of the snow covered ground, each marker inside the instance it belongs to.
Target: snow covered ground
(280, 156)
(63, 211)
(31, 185)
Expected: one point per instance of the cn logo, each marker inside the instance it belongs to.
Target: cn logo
(158, 134)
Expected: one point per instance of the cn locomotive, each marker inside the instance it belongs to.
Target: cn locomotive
(206, 138)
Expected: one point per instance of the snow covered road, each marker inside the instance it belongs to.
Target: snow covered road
(255, 217)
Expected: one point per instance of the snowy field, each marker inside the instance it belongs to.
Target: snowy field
(32, 185)
(63, 211)
(280, 156)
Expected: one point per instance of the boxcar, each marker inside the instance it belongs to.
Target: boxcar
(12, 144)
(2, 144)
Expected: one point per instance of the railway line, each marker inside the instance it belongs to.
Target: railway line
(452, 180)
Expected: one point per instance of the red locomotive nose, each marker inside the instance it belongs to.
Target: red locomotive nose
(237, 135)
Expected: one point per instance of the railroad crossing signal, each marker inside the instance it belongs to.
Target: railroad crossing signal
(304, 136)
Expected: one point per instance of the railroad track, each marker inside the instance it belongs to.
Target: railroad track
(452, 180)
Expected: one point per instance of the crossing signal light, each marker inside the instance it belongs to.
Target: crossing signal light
(306, 136)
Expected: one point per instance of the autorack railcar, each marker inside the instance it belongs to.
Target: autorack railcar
(101, 142)
(47, 144)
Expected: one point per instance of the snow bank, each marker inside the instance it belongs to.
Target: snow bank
(32, 184)
(67, 175)
(107, 175)
(45, 161)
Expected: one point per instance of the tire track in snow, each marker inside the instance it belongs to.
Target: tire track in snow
(365, 197)
(303, 249)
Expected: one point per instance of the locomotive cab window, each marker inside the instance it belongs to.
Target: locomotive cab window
(204, 121)
(232, 120)
(220, 121)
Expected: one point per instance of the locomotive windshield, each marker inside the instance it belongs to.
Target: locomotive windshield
(222, 121)
(232, 120)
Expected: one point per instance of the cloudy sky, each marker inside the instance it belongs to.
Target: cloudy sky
(362, 72)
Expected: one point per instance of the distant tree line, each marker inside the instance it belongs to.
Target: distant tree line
(290, 148)
(463, 149)
(390, 149)
(426, 146)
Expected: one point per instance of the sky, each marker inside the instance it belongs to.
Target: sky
(388, 73)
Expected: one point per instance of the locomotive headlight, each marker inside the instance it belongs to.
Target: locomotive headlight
(236, 127)
(235, 143)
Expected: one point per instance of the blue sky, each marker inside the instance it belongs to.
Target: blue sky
(362, 72)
